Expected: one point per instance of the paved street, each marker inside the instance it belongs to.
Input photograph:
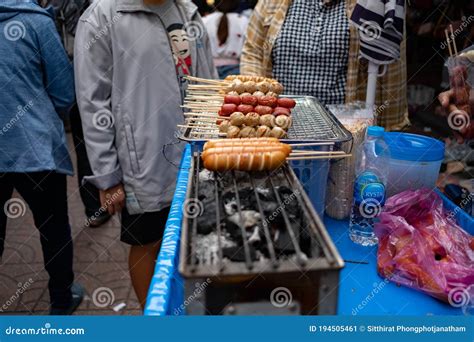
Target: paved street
(100, 264)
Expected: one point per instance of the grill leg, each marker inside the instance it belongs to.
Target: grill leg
(328, 293)
(195, 297)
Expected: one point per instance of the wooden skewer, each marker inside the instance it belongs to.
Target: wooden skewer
(206, 115)
(316, 152)
(205, 86)
(453, 41)
(200, 103)
(320, 157)
(200, 127)
(205, 91)
(312, 144)
(205, 80)
(203, 124)
(200, 120)
(204, 97)
(200, 108)
(209, 133)
(448, 42)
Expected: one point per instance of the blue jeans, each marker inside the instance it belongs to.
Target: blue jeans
(46, 195)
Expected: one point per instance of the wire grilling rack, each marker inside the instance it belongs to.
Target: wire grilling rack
(311, 122)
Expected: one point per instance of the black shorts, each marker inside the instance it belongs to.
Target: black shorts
(143, 229)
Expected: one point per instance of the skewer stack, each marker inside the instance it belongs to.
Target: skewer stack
(239, 106)
(248, 112)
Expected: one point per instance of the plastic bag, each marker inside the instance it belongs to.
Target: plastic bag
(421, 246)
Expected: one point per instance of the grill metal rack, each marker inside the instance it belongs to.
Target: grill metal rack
(311, 122)
(324, 253)
(244, 286)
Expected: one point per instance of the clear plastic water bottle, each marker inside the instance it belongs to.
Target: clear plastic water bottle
(369, 186)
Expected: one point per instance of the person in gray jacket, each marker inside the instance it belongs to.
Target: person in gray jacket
(130, 58)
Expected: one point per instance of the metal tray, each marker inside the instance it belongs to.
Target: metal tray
(312, 122)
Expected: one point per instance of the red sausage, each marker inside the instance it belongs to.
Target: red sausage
(235, 99)
(228, 109)
(281, 111)
(286, 102)
(270, 101)
(262, 110)
(249, 100)
(244, 108)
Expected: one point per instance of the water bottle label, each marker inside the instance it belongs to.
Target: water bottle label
(369, 194)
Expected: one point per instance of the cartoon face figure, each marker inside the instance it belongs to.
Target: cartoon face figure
(180, 40)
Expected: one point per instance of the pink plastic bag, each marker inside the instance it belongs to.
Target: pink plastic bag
(422, 247)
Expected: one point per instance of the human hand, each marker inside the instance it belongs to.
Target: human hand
(113, 199)
(459, 119)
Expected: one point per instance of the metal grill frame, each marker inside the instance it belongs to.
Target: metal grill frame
(188, 267)
(311, 120)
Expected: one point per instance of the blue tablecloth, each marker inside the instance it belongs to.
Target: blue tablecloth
(361, 292)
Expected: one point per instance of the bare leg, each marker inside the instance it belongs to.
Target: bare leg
(141, 263)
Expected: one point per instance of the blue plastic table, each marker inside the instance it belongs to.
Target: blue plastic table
(361, 290)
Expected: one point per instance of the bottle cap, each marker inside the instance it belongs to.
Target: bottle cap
(375, 131)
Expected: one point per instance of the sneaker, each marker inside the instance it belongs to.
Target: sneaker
(97, 221)
(77, 297)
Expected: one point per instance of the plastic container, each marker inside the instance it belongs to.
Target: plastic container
(313, 175)
(414, 162)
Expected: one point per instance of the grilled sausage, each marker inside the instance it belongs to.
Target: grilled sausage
(227, 109)
(268, 101)
(262, 110)
(247, 149)
(258, 161)
(238, 141)
(286, 102)
(234, 99)
(249, 100)
(281, 111)
(244, 109)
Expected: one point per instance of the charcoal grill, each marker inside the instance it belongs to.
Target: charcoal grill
(304, 266)
(311, 122)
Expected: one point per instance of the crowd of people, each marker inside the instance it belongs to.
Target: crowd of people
(115, 68)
